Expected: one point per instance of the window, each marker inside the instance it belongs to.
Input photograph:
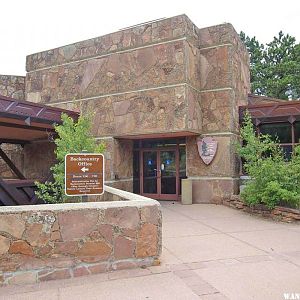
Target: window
(297, 132)
(279, 131)
(287, 135)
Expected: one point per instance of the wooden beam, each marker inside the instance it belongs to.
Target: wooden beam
(24, 117)
(14, 195)
(11, 164)
(31, 127)
(14, 141)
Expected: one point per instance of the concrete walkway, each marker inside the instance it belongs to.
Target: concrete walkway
(209, 252)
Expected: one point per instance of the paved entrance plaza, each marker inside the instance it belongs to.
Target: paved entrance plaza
(209, 252)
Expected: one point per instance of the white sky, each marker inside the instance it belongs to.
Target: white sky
(29, 26)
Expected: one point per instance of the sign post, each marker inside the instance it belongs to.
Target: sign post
(84, 174)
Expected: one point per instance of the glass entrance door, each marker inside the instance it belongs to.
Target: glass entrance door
(168, 172)
(150, 172)
(160, 174)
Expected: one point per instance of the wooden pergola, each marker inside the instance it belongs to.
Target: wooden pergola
(23, 122)
(283, 111)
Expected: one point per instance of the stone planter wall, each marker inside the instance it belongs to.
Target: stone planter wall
(279, 213)
(45, 242)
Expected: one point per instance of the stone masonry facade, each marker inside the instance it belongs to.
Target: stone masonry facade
(165, 77)
(12, 86)
(45, 242)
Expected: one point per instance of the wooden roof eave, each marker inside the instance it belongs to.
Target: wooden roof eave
(22, 121)
(288, 111)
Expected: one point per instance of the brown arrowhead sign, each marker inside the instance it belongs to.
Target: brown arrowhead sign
(207, 148)
(84, 174)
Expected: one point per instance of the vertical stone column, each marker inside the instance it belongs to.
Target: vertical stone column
(118, 163)
(224, 85)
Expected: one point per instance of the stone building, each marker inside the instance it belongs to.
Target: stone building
(154, 90)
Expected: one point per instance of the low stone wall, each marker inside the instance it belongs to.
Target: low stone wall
(279, 213)
(56, 241)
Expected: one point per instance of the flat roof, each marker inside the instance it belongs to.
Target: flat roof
(24, 121)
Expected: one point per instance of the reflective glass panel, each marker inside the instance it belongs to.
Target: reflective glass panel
(281, 131)
(168, 172)
(150, 172)
(182, 166)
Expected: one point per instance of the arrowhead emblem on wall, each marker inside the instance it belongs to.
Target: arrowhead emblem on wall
(207, 148)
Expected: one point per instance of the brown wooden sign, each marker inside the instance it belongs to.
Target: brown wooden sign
(84, 174)
(207, 148)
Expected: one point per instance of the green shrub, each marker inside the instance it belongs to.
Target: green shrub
(73, 137)
(274, 181)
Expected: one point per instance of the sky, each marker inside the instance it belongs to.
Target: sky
(32, 26)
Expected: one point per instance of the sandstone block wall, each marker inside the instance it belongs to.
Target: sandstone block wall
(45, 242)
(12, 86)
(134, 37)
(163, 77)
(136, 80)
(224, 70)
(224, 85)
(141, 80)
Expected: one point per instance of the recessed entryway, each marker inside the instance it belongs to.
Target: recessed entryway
(158, 167)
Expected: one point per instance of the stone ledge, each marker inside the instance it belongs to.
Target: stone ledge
(46, 274)
(58, 241)
(131, 200)
(279, 213)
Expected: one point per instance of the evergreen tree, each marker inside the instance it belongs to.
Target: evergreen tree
(274, 67)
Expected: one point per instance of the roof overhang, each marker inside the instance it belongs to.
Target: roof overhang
(24, 121)
(287, 111)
